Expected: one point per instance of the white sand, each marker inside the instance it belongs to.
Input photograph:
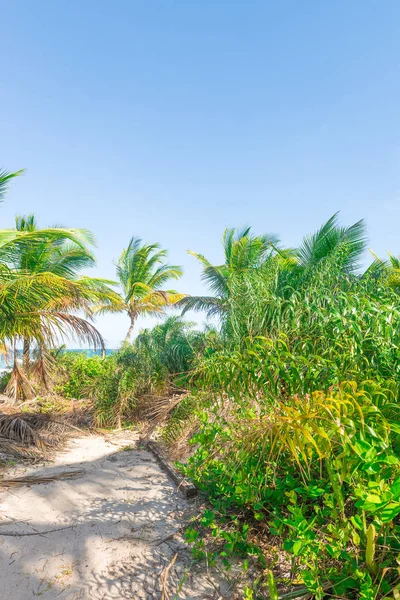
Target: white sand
(121, 509)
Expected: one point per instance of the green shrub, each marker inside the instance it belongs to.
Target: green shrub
(4, 380)
(318, 470)
(81, 374)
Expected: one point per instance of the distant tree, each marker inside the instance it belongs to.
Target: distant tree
(243, 253)
(143, 273)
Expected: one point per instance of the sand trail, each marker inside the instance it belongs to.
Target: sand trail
(118, 523)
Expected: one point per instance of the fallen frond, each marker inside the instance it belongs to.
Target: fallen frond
(37, 479)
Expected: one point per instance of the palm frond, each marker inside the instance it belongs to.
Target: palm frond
(60, 325)
(212, 306)
(5, 179)
(346, 243)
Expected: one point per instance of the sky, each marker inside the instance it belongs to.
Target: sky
(171, 120)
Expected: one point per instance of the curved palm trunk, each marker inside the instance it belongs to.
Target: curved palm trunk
(130, 330)
(42, 366)
(19, 385)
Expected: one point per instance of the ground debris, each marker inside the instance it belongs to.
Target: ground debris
(39, 479)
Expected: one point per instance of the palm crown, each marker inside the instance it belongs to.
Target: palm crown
(243, 252)
(143, 273)
(64, 253)
(40, 290)
(256, 263)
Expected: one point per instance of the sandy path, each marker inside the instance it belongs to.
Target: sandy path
(121, 508)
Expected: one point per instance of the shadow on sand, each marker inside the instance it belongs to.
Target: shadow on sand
(124, 520)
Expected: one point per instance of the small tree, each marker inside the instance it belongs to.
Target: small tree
(142, 273)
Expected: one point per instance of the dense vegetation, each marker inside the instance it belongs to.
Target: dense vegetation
(287, 412)
(43, 294)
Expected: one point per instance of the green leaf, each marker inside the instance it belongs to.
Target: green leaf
(357, 522)
(395, 488)
(373, 499)
(390, 512)
(356, 538)
(297, 547)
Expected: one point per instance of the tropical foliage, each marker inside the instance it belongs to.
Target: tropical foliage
(243, 253)
(299, 429)
(127, 383)
(287, 415)
(41, 296)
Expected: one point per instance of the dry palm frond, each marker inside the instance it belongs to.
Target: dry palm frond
(42, 367)
(19, 386)
(61, 323)
(163, 406)
(30, 434)
(49, 429)
(159, 410)
(37, 479)
(16, 449)
(15, 428)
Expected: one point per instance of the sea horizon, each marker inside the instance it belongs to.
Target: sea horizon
(6, 360)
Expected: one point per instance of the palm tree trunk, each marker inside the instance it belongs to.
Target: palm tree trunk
(130, 330)
(19, 386)
(42, 366)
(26, 355)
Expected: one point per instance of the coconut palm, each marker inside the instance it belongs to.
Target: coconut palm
(40, 293)
(63, 254)
(243, 253)
(39, 307)
(143, 273)
(345, 245)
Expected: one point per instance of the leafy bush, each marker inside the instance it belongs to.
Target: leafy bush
(4, 380)
(154, 365)
(299, 420)
(81, 374)
(322, 472)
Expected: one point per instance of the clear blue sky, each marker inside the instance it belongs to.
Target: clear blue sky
(174, 119)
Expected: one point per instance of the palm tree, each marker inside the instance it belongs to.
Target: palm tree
(64, 254)
(40, 307)
(243, 253)
(40, 293)
(173, 341)
(345, 245)
(142, 273)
